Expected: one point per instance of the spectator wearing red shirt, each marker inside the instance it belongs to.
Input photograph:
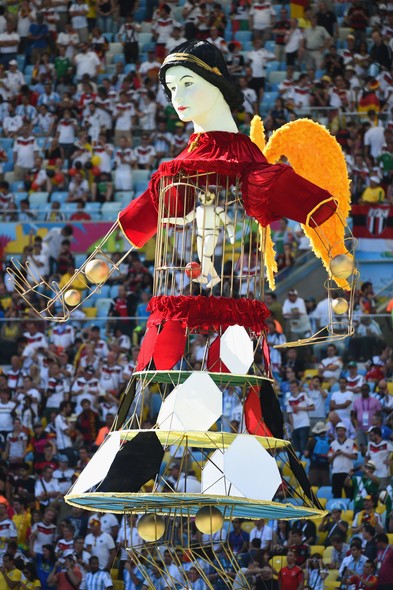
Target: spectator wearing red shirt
(384, 562)
(367, 580)
(291, 577)
(299, 548)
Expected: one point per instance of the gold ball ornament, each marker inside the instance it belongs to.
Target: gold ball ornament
(151, 527)
(342, 266)
(97, 271)
(340, 305)
(209, 520)
(72, 297)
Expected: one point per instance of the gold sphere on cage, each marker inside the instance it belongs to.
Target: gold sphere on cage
(209, 520)
(342, 266)
(72, 297)
(151, 527)
(340, 305)
(97, 271)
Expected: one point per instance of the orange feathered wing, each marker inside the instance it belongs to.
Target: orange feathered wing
(257, 135)
(316, 155)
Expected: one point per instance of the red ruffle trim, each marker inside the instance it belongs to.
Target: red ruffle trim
(209, 313)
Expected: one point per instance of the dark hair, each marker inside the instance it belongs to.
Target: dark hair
(368, 528)
(30, 567)
(376, 430)
(210, 55)
(382, 538)
(52, 554)
(356, 542)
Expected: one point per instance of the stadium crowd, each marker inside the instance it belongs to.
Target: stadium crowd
(84, 123)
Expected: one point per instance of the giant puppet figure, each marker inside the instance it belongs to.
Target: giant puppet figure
(205, 348)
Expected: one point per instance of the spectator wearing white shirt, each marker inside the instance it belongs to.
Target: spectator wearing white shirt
(250, 97)
(69, 39)
(331, 366)
(9, 42)
(63, 431)
(100, 545)
(341, 400)
(379, 451)
(374, 140)
(78, 189)
(261, 18)
(342, 454)
(257, 59)
(38, 263)
(43, 532)
(294, 43)
(47, 488)
(298, 407)
(144, 154)
(123, 114)
(78, 13)
(354, 380)
(295, 312)
(25, 149)
(123, 161)
(12, 122)
(86, 61)
(263, 532)
(354, 563)
(15, 78)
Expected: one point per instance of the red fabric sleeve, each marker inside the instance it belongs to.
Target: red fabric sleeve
(274, 191)
(138, 221)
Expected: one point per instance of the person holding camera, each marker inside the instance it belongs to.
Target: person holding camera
(315, 572)
(334, 525)
(366, 484)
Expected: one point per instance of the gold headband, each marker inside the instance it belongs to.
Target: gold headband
(190, 58)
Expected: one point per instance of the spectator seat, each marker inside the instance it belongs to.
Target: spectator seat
(60, 196)
(343, 32)
(114, 291)
(277, 562)
(270, 46)
(38, 199)
(69, 208)
(6, 143)
(272, 66)
(115, 48)
(243, 36)
(144, 38)
(327, 554)
(129, 68)
(140, 176)
(343, 503)
(248, 525)
(17, 186)
(119, 58)
(139, 16)
(105, 291)
(325, 492)
(103, 305)
(118, 584)
(19, 197)
(146, 27)
(109, 211)
(317, 549)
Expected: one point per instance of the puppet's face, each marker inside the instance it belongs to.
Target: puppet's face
(192, 96)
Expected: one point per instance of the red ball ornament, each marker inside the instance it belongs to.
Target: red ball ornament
(193, 270)
(72, 172)
(96, 170)
(59, 178)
